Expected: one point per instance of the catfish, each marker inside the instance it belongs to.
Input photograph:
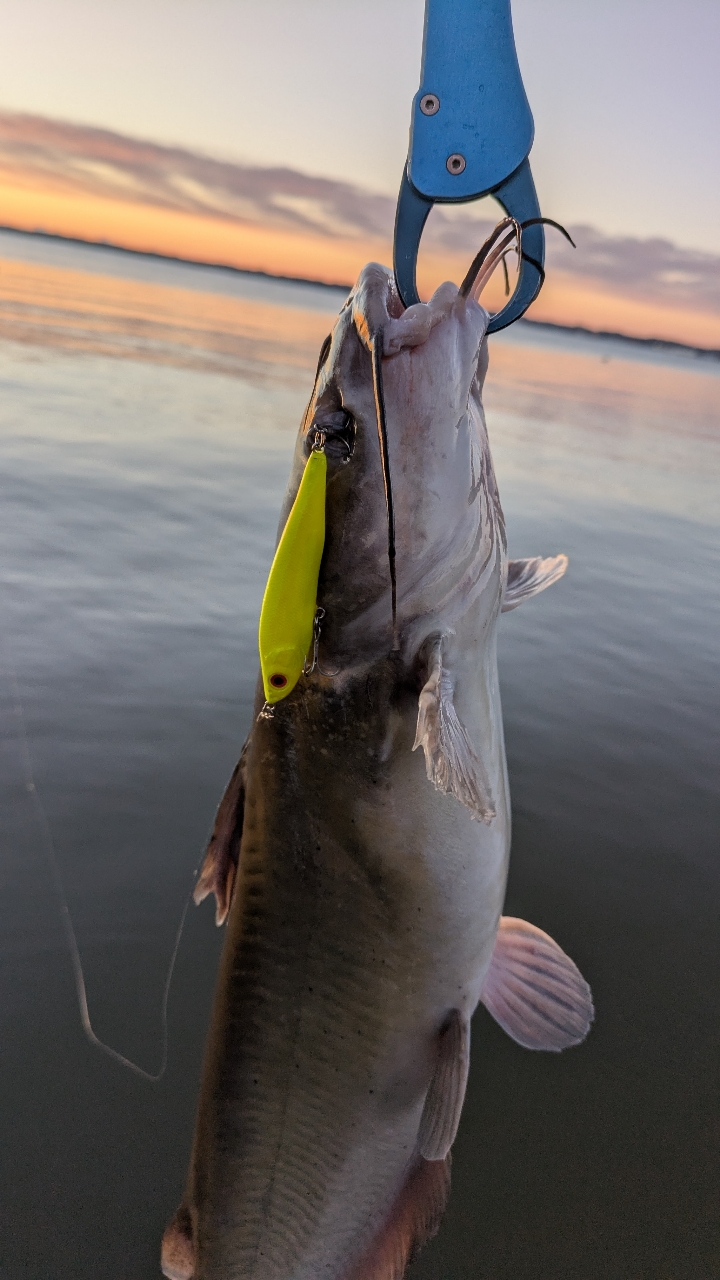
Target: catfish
(360, 854)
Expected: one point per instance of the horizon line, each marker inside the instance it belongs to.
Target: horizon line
(661, 343)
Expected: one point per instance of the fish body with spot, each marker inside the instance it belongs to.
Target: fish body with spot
(360, 853)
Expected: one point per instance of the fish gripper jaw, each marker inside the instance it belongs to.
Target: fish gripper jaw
(518, 198)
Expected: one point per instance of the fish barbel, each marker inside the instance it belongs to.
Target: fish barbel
(360, 853)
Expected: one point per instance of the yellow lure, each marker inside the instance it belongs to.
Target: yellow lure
(290, 600)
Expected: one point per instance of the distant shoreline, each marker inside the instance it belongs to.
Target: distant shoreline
(659, 344)
(172, 257)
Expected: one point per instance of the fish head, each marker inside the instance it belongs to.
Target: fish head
(413, 376)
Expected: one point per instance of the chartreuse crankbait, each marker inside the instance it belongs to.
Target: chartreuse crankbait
(290, 600)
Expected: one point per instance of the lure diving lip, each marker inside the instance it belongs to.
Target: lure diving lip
(290, 599)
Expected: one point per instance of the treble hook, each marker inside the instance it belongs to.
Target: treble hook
(315, 664)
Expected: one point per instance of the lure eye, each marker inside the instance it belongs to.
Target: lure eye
(278, 681)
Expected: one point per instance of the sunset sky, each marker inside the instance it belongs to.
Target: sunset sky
(283, 128)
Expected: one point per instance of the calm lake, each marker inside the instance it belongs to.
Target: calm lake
(148, 412)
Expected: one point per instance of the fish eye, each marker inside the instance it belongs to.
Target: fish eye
(277, 680)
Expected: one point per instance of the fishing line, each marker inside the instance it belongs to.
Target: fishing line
(376, 357)
(70, 935)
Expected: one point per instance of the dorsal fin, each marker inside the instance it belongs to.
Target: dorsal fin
(413, 1220)
(217, 874)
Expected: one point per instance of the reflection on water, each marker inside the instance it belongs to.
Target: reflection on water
(139, 504)
(181, 320)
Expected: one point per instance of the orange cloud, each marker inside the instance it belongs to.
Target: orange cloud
(150, 229)
(93, 184)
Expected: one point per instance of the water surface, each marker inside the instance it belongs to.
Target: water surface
(148, 412)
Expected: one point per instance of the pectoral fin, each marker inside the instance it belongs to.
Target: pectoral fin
(445, 1097)
(534, 990)
(527, 577)
(451, 763)
(218, 871)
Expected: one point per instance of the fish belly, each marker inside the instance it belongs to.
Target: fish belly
(365, 911)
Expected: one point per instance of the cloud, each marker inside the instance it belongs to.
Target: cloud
(651, 269)
(78, 160)
(102, 163)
